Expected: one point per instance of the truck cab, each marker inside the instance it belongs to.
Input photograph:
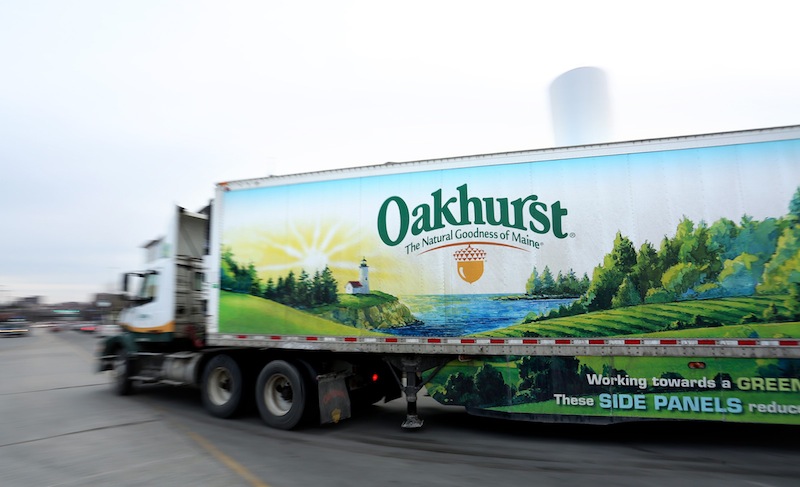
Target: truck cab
(168, 301)
(167, 304)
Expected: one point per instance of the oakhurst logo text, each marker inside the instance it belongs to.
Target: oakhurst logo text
(526, 213)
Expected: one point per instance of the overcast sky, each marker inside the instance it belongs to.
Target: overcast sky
(111, 112)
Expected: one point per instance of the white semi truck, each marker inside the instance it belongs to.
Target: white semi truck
(645, 280)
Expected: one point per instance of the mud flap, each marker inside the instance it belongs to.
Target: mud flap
(334, 401)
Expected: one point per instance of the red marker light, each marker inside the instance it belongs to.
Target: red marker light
(375, 377)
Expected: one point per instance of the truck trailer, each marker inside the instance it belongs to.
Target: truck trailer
(644, 280)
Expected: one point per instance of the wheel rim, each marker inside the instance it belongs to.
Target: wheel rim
(219, 386)
(278, 396)
(120, 368)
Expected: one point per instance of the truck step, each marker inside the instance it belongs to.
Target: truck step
(145, 379)
(182, 355)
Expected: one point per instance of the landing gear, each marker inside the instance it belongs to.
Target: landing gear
(412, 387)
(412, 368)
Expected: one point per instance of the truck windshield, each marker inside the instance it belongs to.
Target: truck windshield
(149, 287)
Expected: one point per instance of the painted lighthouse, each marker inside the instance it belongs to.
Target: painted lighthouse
(362, 285)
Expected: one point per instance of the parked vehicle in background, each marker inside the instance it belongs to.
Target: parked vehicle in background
(14, 327)
(88, 327)
(644, 280)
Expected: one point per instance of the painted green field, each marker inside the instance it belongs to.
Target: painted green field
(650, 319)
(648, 368)
(633, 366)
(244, 314)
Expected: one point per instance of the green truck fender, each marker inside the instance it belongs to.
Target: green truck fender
(110, 348)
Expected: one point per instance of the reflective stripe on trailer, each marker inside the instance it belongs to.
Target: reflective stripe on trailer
(722, 347)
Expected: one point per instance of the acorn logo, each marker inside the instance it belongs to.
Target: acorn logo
(470, 263)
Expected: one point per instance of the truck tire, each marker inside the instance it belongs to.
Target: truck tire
(222, 387)
(121, 373)
(281, 395)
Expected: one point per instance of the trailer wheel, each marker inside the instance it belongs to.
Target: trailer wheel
(281, 395)
(222, 386)
(121, 372)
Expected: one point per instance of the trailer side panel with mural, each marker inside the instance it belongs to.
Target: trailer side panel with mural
(655, 279)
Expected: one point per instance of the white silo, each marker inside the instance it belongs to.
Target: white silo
(580, 107)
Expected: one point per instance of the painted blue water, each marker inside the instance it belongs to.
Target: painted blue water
(464, 314)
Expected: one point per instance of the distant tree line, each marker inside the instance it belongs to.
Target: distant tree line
(564, 285)
(301, 290)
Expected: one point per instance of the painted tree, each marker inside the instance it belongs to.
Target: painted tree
(237, 277)
(541, 377)
(548, 283)
(269, 289)
(697, 249)
(627, 294)
(757, 237)
(688, 260)
(569, 285)
(460, 389)
(607, 278)
(534, 283)
(738, 275)
(304, 295)
(530, 369)
(646, 273)
(491, 387)
(792, 302)
(794, 207)
(287, 293)
(783, 267)
(785, 367)
(255, 287)
(328, 286)
(681, 277)
(228, 269)
(668, 253)
(722, 234)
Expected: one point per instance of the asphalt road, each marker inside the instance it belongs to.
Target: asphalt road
(60, 425)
